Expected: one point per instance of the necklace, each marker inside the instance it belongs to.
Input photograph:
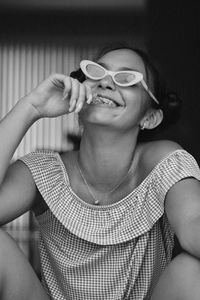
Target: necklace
(97, 201)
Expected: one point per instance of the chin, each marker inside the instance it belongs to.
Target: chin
(99, 115)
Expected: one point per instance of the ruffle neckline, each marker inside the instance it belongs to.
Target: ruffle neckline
(115, 223)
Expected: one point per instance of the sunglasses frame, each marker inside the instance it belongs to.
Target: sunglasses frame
(139, 77)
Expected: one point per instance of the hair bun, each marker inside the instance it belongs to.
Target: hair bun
(173, 100)
(171, 108)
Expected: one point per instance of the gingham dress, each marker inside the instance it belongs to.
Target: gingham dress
(109, 252)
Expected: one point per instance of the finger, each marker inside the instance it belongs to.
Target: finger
(67, 87)
(74, 94)
(57, 80)
(81, 98)
(89, 95)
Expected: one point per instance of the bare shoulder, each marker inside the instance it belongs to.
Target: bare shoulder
(17, 192)
(153, 152)
(20, 172)
(20, 177)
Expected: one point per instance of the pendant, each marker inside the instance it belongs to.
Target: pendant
(96, 202)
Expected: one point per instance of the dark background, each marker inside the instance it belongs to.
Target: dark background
(170, 29)
(174, 39)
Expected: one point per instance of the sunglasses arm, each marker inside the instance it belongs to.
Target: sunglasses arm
(148, 91)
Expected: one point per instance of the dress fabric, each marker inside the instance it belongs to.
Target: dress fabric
(108, 252)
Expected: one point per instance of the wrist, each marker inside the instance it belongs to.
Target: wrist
(28, 108)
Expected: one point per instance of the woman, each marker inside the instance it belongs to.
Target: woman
(107, 213)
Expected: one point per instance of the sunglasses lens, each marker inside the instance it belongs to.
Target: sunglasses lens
(94, 71)
(124, 78)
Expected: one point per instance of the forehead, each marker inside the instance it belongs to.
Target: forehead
(122, 59)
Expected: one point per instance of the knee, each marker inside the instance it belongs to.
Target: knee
(186, 264)
(8, 256)
(180, 280)
(3, 243)
(4, 256)
(7, 243)
(184, 271)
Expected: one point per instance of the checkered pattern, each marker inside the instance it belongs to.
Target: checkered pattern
(110, 252)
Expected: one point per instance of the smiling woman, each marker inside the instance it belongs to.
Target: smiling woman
(107, 212)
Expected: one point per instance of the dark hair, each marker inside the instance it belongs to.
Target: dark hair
(169, 102)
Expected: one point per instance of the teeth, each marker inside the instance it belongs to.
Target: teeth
(102, 100)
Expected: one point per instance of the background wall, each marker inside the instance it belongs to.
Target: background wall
(38, 38)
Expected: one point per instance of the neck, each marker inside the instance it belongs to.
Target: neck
(106, 156)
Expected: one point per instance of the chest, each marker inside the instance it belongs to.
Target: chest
(109, 189)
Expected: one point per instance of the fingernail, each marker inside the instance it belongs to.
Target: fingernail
(71, 107)
(78, 108)
(65, 94)
(89, 100)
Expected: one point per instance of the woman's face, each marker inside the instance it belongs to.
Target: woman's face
(132, 102)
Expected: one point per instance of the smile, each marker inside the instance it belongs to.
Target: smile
(104, 101)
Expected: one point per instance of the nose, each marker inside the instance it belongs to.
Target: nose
(107, 83)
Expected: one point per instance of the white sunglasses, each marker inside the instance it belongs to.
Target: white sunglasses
(95, 71)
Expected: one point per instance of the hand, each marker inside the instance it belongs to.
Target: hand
(59, 95)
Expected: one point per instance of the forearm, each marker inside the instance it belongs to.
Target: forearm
(12, 129)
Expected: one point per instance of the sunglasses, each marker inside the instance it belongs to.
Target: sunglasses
(95, 71)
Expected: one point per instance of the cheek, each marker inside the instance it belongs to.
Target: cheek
(132, 96)
(136, 101)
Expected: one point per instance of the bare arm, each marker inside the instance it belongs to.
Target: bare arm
(183, 211)
(17, 188)
(17, 194)
(12, 129)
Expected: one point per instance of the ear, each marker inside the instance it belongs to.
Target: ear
(152, 119)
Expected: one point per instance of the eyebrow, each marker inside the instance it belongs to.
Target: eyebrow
(120, 69)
